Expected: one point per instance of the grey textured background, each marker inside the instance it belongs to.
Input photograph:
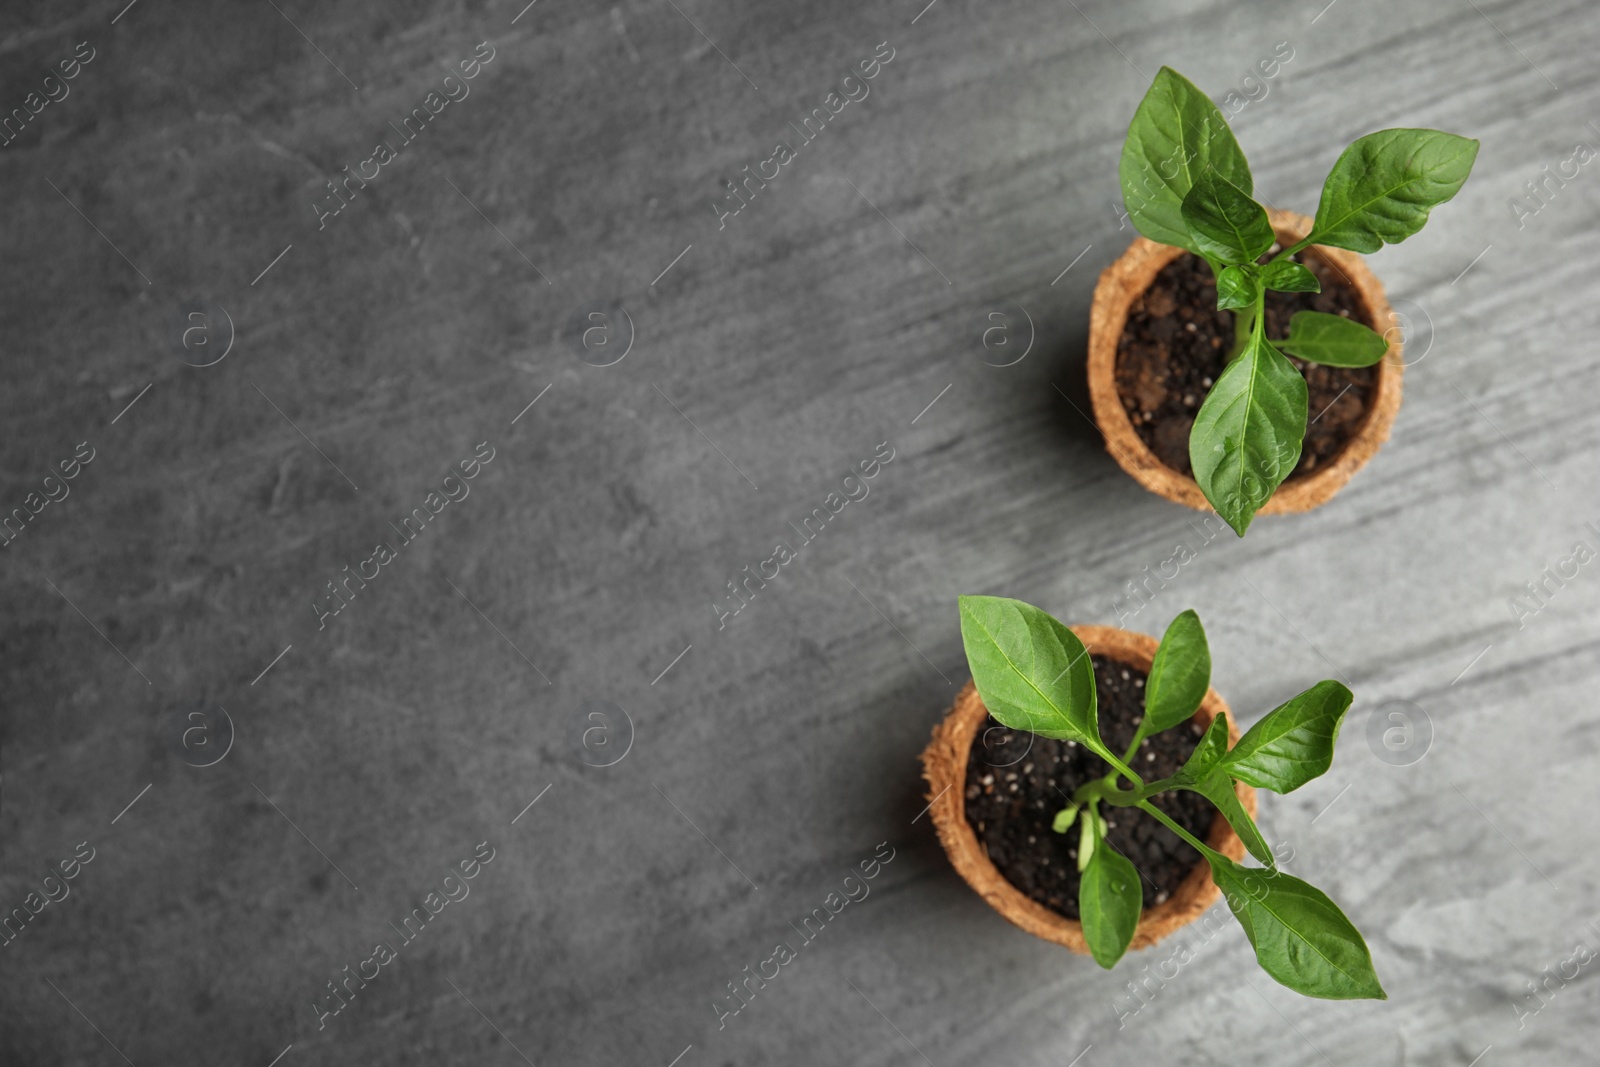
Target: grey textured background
(775, 353)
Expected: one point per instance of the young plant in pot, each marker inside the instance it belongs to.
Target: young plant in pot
(1205, 414)
(1081, 727)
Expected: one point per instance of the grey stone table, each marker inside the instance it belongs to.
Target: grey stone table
(542, 276)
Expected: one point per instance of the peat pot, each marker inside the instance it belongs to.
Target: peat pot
(957, 741)
(1156, 342)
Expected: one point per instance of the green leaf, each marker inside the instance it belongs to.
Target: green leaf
(1224, 223)
(1179, 676)
(1176, 134)
(1383, 186)
(1207, 754)
(1064, 819)
(1109, 902)
(1293, 743)
(1238, 286)
(1031, 671)
(1301, 937)
(1333, 340)
(1247, 436)
(1287, 276)
(1217, 787)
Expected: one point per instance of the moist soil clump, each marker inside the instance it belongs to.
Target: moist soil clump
(1175, 345)
(1017, 781)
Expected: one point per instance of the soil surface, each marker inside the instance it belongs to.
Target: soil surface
(1017, 781)
(1175, 344)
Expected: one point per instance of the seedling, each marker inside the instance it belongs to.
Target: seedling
(1185, 182)
(1034, 674)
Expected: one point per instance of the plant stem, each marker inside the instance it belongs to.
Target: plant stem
(1250, 321)
(1122, 768)
(1106, 789)
(1292, 249)
(1091, 791)
(1133, 748)
(1247, 323)
(1166, 821)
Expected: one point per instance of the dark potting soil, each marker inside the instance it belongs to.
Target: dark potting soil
(1018, 781)
(1175, 344)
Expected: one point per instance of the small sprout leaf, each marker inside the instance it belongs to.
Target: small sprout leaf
(1333, 340)
(1238, 286)
(1208, 753)
(1287, 276)
(1224, 223)
(1088, 838)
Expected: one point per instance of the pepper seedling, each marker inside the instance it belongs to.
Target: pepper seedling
(1185, 182)
(1034, 674)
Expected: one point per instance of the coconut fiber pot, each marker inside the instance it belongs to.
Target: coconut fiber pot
(1126, 280)
(944, 764)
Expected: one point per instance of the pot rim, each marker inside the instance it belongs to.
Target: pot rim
(1125, 280)
(945, 768)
